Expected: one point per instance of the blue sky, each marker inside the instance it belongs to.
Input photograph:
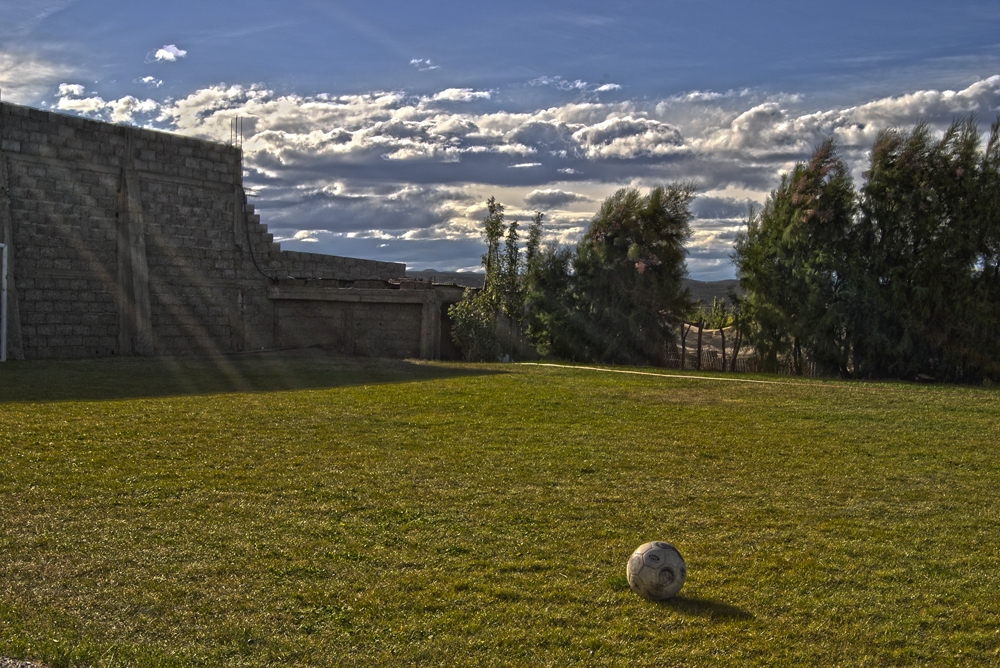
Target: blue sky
(378, 129)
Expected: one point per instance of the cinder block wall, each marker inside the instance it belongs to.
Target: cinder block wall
(130, 241)
(364, 329)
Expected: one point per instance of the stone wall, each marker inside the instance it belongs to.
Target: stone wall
(126, 241)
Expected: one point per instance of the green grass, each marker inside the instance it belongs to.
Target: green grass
(311, 511)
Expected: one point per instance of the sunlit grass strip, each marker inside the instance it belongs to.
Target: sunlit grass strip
(441, 518)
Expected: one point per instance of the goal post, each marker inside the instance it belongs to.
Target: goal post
(3, 302)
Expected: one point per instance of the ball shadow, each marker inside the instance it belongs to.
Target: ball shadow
(705, 607)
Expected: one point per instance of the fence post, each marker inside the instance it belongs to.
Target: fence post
(701, 324)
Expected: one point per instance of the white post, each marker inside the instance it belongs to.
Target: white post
(3, 303)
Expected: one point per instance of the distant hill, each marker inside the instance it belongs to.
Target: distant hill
(467, 279)
(703, 291)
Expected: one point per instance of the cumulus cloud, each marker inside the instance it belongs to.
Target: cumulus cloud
(123, 109)
(169, 53)
(552, 198)
(776, 128)
(72, 98)
(437, 155)
(71, 90)
(304, 236)
(460, 95)
(403, 169)
(150, 81)
(628, 137)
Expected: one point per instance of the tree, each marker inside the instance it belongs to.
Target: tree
(474, 319)
(618, 298)
(627, 276)
(477, 317)
(793, 261)
(903, 281)
(928, 294)
(719, 317)
(738, 324)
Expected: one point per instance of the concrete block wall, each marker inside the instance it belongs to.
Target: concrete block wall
(63, 209)
(315, 265)
(195, 266)
(352, 328)
(126, 240)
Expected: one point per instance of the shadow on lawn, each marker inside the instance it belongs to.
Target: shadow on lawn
(137, 377)
(704, 607)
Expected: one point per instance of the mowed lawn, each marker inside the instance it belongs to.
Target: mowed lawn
(306, 510)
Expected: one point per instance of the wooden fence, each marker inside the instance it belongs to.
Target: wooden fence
(717, 346)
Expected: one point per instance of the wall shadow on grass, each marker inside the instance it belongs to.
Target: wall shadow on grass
(705, 607)
(136, 377)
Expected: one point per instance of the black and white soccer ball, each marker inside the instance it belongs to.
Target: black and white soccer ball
(656, 571)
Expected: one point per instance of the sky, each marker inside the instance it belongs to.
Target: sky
(378, 129)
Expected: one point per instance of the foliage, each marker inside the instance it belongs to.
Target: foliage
(474, 327)
(900, 281)
(619, 297)
(928, 286)
(475, 319)
(718, 316)
(791, 262)
(548, 315)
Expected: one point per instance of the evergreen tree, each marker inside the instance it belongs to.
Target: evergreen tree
(792, 262)
(928, 298)
(628, 294)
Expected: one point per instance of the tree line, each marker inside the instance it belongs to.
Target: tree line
(897, 279)
(617, 297)
(900, 279)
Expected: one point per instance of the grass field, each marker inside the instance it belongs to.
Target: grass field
(303, 510)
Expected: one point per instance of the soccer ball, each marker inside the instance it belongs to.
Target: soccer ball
(656, 571)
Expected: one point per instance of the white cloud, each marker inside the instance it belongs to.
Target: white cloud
(774, 127)
(628, 137)
(307, 235)
(423, 64)
(121, 110)
(460, 95)
(575, 85)
(150, 81)
(169, 53)
(717, 145)
(86, 105)
(71, 90)
(389, 166)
